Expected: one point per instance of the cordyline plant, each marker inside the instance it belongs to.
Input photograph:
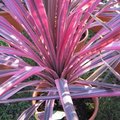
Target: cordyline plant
(55, 28)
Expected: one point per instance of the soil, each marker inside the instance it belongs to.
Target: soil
(83, 107)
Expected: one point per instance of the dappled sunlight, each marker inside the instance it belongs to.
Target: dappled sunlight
(86, 63)
(46, 52)
(7, 58)
(11, 61)
(14, 37)
(25, 49)
(113, 46)
(66, 98)
(27, 68)
(19, 42)
(20, 76)
(87, 5)
(3, 87)
(15, 63)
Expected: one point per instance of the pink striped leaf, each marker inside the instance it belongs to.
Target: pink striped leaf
(17, 88)
(66, 100)
(19, 77)
(49, 107)
(40, 18)
(12, 61)
(12, 51)
(28, 113)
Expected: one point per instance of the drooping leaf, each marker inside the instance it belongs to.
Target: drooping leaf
(17, 88)
(19, 77)
(28, 112)
(49, 107)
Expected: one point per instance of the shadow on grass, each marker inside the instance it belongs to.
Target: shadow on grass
(109, 109)
(13, 110)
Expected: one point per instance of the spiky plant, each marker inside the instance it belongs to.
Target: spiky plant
(54, 28)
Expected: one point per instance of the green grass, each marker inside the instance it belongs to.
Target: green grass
(13, 110)
(2, 43)
(109, 109)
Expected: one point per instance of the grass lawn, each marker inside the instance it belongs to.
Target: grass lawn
(13, 110)
(109, 109)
